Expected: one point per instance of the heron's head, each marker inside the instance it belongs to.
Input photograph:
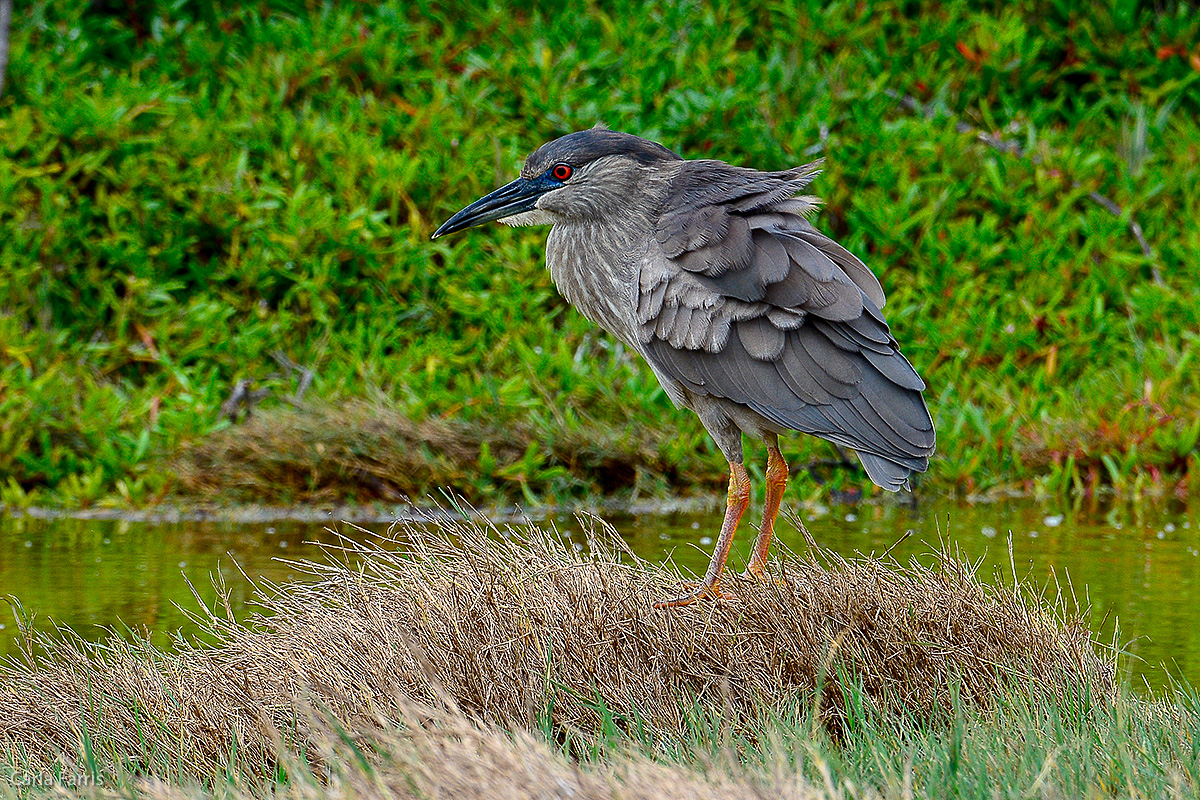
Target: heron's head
(586, 174)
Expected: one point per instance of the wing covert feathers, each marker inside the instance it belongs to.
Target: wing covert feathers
(748, 302)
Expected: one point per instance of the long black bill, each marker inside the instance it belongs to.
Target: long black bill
(518, 196)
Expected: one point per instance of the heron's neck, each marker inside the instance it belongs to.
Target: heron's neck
(595, 267)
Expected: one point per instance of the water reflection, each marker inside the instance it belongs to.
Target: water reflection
(88, 573)
(1141, 566)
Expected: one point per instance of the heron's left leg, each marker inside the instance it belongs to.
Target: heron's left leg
(736, 503)
(777, 475)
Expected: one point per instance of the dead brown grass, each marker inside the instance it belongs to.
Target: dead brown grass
(359, 451)
(514, 629)
(445, 755)
(325, 452)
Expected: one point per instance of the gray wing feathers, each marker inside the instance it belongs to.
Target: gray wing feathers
(888, 474)
(703, 184)
(818, 265)
(854, 269)
(800, 373)
(732, 251)
(785, 319)
(695, 231)
(770, 257)
(747, 301)
(839, 365)
(858, 334)
(762, 340)
(896, 368)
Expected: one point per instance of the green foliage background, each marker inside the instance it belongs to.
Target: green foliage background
(186, 189)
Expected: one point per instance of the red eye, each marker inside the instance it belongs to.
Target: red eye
(561, 172)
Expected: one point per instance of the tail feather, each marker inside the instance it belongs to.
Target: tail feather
(887, 474)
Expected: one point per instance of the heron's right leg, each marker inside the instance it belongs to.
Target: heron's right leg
(777, 475)
(736, 503)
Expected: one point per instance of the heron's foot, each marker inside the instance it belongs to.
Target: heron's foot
(756, 571)
(698, 592)
(756, 575)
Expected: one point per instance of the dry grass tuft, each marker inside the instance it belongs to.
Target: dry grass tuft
(515, 629)
(361, 451)
(325, 452)
(442, 754)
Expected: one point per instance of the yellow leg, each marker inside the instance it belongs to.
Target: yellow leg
(777, 475)
(736, 504)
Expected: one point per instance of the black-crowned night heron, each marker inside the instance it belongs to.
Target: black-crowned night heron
(747, 314)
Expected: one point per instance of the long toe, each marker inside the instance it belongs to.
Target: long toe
(756, 573)
(759, 578)
(700, 592)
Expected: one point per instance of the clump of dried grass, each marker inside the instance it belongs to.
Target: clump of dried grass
(363, 451)
(320, 452)
(442, 754)
(516, 629)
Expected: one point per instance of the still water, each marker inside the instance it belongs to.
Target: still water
(1138, 567)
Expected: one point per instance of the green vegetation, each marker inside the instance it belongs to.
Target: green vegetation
(186, 191)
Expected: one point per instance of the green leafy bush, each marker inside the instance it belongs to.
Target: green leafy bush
(186, 190)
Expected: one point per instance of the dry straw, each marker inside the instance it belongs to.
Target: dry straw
(514, 628)
(450, 756)
(363, 450)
